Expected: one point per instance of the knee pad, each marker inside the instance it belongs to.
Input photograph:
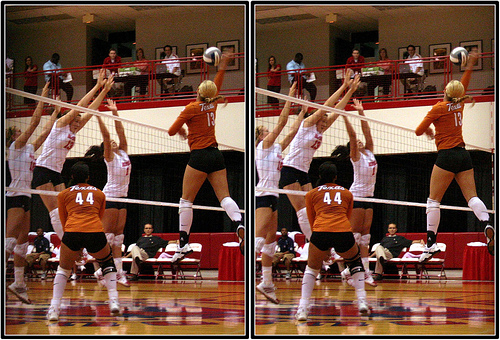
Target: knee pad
(365, 240)
(110, 237)
(269, 249)
(21, 249)
(302, 216)
(185, 205)
(107, 264)
(118, 241)
(65, 272)
(357, 238)
(259, 243)
(432, 205)
(10, 243)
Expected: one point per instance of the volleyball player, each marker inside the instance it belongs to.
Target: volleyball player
(365, 174)
(205, 161)
(453, 161)
(47, 173)
(21, 164)
(81, 208)
(268, 160)
(294, 174)
(329, 207)
(119, 167)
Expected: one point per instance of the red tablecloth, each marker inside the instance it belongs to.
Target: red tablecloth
(231, 264)
(478, 264)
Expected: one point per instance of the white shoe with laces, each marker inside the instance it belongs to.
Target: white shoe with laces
(363, 308)
(21, 292)
(346, 276)
(121, 278)
(53, 313)
(269, 291)
(100, 278)
(302, 313)
(114, 307)
(428, 253)
(181, 253)
(369, 279)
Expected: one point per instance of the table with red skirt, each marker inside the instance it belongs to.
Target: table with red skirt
(231, 264)
(478, 264)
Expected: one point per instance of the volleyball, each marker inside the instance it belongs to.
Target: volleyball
(459, 56)
(212, 56)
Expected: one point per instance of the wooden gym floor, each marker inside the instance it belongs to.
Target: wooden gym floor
(149, 308)
(408, 307)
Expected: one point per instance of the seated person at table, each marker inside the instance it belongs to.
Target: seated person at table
(386, 65)
(414, 60)
(41, 253)
(390, 247)
(141, 80)
(173, 67)
(146, 247)
(112, 62)
(356, 63)
(285, 252)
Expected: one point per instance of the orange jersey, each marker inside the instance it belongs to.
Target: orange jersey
(200, 119)
(329, 208)
(81, 208)
(447, 118)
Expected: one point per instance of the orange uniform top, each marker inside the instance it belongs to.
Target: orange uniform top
(447, 118)
(200, 119)
(81, 208)
(329, 208)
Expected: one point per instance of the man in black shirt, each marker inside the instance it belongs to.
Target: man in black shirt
(390, 247)
(285, 251)
(145, 247)
(41, 253)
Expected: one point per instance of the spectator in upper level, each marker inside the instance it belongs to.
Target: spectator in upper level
(414, 60)
(56, 77)
(30, 79)
(301, 77)
(274, 80)
(112, 62)
(141, 81)
(386, 65)
(355, 61)
(171, 60)
(145, 247)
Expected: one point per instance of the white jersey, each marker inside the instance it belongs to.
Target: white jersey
(269, 163)
(303, 146)
(56, 147)
(118, 175)
(365, 175)
(21, 165)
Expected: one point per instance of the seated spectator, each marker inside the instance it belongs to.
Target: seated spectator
(146, 247)
(142, 80)
(30, 79)
(56, 78)
(414, 60)
(112, 62)
(171, 60)
(356, 62)
(41, 253)
(285, 252)
(386, 65)
(294, 66)
(390, 247)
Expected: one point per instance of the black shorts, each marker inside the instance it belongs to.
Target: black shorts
(116, 205)
(43, 176)
(291, 175)
(362, 205)
(455, 160)
(342, 242)
(268, 201)
(207, 160)
(92, 241)
(18, 202)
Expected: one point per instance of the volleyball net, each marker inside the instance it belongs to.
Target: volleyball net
(404, 160)
(158, 160)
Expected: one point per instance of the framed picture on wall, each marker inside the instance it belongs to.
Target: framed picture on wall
(402, 52)
(195, 52)
(230, 46)
(473, 46)
(438, 52)
(159, 51)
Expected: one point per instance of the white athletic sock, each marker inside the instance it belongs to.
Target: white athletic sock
(479, 208)
(59, 284)
(358, 282)
(308, 282)
(304, 223)
(433, 217)
(231, 208)
(185, 215)
(366, 263)
(111, 285)
(267, 275)
(19, 276)
(56, 223)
